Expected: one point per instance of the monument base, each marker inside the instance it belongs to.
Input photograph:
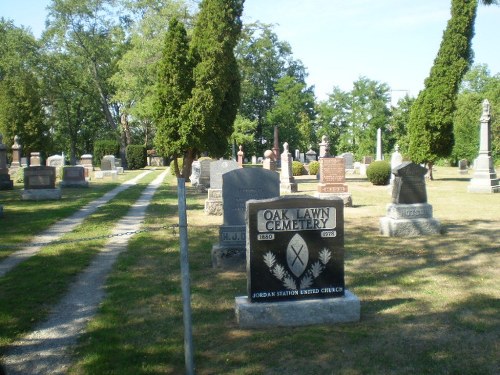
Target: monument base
(213, 207)
(346, 197)
(233, 258)
(484, 184)
(409, 227)
(101, 174)
(297, 313)
(41, 194)
(74, 184)
(288, 187)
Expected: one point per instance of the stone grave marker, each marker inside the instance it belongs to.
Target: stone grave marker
(463, 166)
(213, 204)
(5, 182)
(55, 161)
(241, 156)
(35, 159)
(349, 160)
(380, 156)
(324, 147)
(485, 178)
(239, 186)
(195, 173)
(396, 160)
(409, 214)
(311, 155)
(287, 181)
(39, 183)
(16, 154)
(254, 159)
(74, 176)
(332, 180)
(269, 163)
(86, 162)
(205, 173)
(295, 264)
(108, 168)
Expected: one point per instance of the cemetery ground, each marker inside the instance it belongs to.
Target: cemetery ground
(429, 305)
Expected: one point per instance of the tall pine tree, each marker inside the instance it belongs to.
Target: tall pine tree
(173, 91)
(430, 127)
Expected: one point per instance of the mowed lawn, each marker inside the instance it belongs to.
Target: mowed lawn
(429, 305)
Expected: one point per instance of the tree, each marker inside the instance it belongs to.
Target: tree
(137, 70)
(208, 116)
(21, 110)
(351, 119)
(263, 60)
(430, 126)
(88, 31)
(477, 85)
(400, 116)
(293, 112)
(173, 91)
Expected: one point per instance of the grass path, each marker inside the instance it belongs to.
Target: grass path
(56, 231)
(45, 349)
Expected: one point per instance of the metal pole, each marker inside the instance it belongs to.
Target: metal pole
(186, 289)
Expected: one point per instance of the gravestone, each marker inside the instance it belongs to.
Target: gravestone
(195, 173)
(409, 214)
(463, 166)
(213, 204)
(295, 264)
(108, 168)
(379, 145)
(74, 176)
(311, 156)
(396, 160)
(324, 147)
(16, 154)
(287, 181)
(39, 183)
(332, 180)
(241, 156)
(205, 173)
(239, 186)
(87, 163)
(55, 161)
(269, 163)
(5, 182)
(485, 178)
(254, 159)
(35, 159)
(349, 161)
(108, 163)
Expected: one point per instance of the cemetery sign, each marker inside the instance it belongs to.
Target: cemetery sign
(295, 248)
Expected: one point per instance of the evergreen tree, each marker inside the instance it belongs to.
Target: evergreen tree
(209, 114)
(173, 91)
(430, 126)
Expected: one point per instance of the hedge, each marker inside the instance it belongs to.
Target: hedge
(136, 156)
(105, 147)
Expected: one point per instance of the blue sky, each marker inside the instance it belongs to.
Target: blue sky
(390, 41)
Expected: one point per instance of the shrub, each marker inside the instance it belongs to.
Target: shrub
(297, 168)
(314, 168)
(105, 147)
(136, 156)
(180, 161)
(18, 176)
(379, 172)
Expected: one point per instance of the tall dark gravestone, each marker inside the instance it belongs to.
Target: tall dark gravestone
(409, 214)
(239, 186)
(295, 264)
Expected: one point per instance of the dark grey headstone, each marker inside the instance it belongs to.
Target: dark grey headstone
(409, 184)
(243, 184)
(74, 176)
(205, 172)
(217, 169)
(295, 249)
(40, 177)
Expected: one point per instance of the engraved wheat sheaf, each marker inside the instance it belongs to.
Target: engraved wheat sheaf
(306, 281)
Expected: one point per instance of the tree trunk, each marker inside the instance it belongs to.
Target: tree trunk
(188, 161)
(429, 172)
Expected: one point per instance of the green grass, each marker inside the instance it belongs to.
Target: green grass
(429, 305)
(24, 219)
(29, 290)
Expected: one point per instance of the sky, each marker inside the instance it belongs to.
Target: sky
(338, 41)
